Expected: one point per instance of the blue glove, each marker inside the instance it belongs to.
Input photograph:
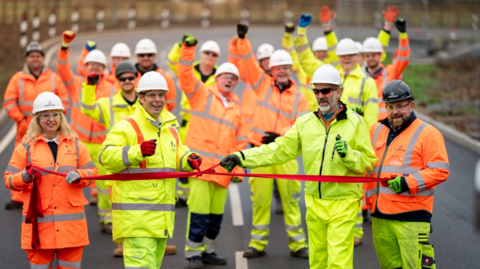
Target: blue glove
(91, 45)
(305, 20)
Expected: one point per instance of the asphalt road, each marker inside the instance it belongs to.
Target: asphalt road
(456, 243)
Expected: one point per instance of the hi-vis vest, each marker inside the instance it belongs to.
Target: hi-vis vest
(419, 155)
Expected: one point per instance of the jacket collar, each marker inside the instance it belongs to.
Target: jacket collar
(40, 137)
(154, 68)
(405, 125)
(356, 72)
(376, 74)
(165, 116)
(26, 70)
(341, 114)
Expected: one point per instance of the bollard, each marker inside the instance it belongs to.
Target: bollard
(100, 16)
(288, 16)
(131, 17)
(36, 26)
(74, 17)
(165, 20)
(52, 19)
(245, 15)
(23, 30)
(475, 21)
(205, 18)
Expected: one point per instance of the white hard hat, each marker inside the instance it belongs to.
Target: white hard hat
(280, 57)
(359, 47)
(372, 44)
(152, 81)
(320, 44)
(327, 74)
(210, 45)
(145, 46)
(120, 50)
(96, 56)
(47, 101)
(227, 68)
(265, 51)
(346, 46)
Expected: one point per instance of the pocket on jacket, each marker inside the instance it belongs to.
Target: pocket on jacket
(143, 195)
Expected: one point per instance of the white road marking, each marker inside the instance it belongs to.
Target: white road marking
(477, 177)
(8, 138)
(236, 204)
(240, 261)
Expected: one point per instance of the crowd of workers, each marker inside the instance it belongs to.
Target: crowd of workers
(350, 115)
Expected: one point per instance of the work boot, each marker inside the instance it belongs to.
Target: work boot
(93, 199)
(118, 252)
(170, 250)
(194, 264)
(181, 203)
(357, 241)
(12, 205)
(213, 258)
(251, 253)
(278, 207)
(301, 253)
(106, 228)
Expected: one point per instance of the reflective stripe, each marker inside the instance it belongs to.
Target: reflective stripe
(68, 83)
(192, 253)
(266, 105)
(442, 165)
(50, 168)
(169, 101)
(246, 57)
(184, 62)
(140, 206)
(40, 266)
(12, 169)
(25, 103)
(359, 225)
(63, 62)
(360, 214)
(289, 49)
(125, 160)
(257, 84)
(294, 228)
(52, 79)
(302, 48)
(377, 133)
(27, 148)
(190, 95)
(11, 106)
(215, 119)
(27, 113)
(76, 150)
(154, 123)
(406, 58)
(209, 245)
(171, 62)
(69, 264)
(426, 192)
(100, 111)
(263, 227)
(59, 217)
(104, 191)
(258, 131)
(88, 165)
(88, 107)
(192, 244)
(295, 104)
(381, 110)
(259, 237)
(332, 48)
(420, 181)
(358, 100)
(209, 103)
(242, 138)
(334, 63)
(296, 238)
(207, 154)
(296, 195)
(132, 170)
(181, 160)
(301, 113)
(233, 56)
(411, 144)
(371, 193)
(66, 168)
(371, 100)
(104, 211)
(90, 134)
(404, 48)
(21, 87)
(10, 183)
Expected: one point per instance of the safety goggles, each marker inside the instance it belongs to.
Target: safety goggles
(123, 79)
(230, 76)
(324, 91)
(398, 107)
(145, 54)
(212, 53)
(46, 116)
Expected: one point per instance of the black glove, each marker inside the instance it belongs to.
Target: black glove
(290, 28)
(185, 36)
(401, 25)
(191, 41)
(92, 79)
(183, 180)
(242, 30)
(230, 162)
(269, 137)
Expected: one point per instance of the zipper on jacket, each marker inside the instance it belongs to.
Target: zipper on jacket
(323, 156)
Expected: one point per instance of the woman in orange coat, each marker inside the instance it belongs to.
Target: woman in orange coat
(59, 223)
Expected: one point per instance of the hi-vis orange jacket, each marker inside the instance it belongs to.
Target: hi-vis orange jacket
(64, 224)
(87, 129)
(274, 111)
(215, 131)
(22, 90)
(392, 71)
(109, 74)
(171, 96)
(418, 153)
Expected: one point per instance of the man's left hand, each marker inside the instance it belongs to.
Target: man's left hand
(341, 148)
(194, 161)
(269, 137)
(396, 184)
(72, 176)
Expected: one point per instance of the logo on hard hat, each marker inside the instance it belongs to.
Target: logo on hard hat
(393, 95)
(49, 104)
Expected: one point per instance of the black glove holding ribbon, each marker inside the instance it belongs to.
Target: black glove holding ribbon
(269, 137)
(93, 79)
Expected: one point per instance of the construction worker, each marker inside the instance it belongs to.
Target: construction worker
(372, 52)
(22, 90)
(319, 49)
(279, 103)
(412, 153)
(90, 132)
(333, 140)
(144, 210)
(360, 58)
(51, 144)
(146, 52)
(204, 70)
(81, 64)
(120, 52)
(217, 126)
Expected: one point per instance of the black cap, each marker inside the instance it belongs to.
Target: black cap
(396, 91)
(34, 46)
(125, 67)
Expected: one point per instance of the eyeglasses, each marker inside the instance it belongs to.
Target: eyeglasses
(153, 94)
(46, 116)
(209, 52)
(399, 107)
(230, 76)
(123, 79)
(145, 54)
(324, 91)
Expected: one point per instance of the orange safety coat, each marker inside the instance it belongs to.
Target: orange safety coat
(214, 131)
(87, 129)
(393, 71)
(109, 74)
(111, 78)
(21, 92)
(274, 111)
(64, 224)
(171, 96)
(418, 153)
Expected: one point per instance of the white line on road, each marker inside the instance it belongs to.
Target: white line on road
(8, 138)
(477, 177)
(240, 261)
(236, 203)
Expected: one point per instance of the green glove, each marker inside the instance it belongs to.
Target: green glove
(341, 147)
(190, 41)
(398, 184)
(358, 110)
(185, 36)
(230, 162)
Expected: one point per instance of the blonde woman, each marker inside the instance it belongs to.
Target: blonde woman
(51, 144)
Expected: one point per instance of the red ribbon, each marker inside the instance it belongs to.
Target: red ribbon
(35, 206)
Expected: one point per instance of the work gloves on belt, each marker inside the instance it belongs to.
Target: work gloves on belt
(242, 30)
(194, 161)
(92, 79)
(341, 147)
(305, 20)
(398, 184)
(67, 37)
(190, 41)
(230, 162)
(72, 176)
(269, 137)
(401, 25)
(358, 110)
(148, 147)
